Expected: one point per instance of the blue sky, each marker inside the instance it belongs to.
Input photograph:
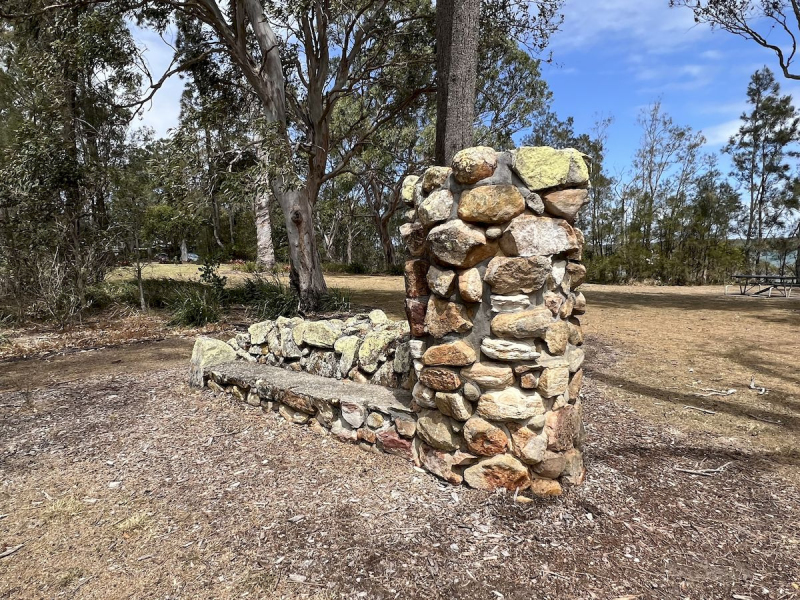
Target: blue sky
(611, 58)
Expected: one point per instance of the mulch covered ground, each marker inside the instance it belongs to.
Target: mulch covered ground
(129, 485)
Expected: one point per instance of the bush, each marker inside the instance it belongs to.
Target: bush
(336, 300)
(195, 308)
(272, 299)
(395, 270)
(250, 266)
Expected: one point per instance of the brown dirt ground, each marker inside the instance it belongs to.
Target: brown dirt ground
(120, 482)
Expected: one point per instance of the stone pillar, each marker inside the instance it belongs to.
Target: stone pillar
(494, 313)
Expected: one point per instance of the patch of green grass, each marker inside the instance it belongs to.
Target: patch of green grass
(195, 308)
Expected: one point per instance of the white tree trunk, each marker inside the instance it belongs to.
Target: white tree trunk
(266, 249)
(184, 252)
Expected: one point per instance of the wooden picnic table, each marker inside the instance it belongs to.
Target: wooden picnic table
(766, 284)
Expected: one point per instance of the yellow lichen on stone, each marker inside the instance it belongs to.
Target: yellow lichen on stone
(542, 167)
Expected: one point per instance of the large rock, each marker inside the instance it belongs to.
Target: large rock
(470, 285)
(576, 357)
(507, 350)
(579, 307)
(509, 404)
(423, 395)
(407, 190)
(574, 471)
(435, 208)
(354, 414)
(453, 405)
(575, 332)
(560, 429)
(514, 303)
(385, 375)
(517, 275)
(565, 203)
(436, 430)
(434, 177)
(473, 164)
(416, 310)
(528, 324)
(443, 464)
(458, 244)
(557, 337)
(414, 236)
(577, 274)
(552, 465)
(322, 334)
(453, 354)
(441, 282)
(528, 235)
(208, 352)
(374, 348)
(259, 332)
(298, 401)
(402, 358)
(484, 438)
(289, 348)
(391, 442)
(501, 471)
(489, 375)
(323, 364)
(490, 204)
(553, 382)
(416, 278)
(541, 167)
(347, 348)
(440, 379)
(445, 317)
(575, 384)
(533, 451)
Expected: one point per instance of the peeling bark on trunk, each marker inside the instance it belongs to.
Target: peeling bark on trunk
(266, 249)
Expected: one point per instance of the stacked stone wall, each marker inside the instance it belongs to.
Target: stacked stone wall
(494, 313)
(366, 348)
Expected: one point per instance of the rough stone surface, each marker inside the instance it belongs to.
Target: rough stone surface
(474, 164)
(529, 381)
(579, 307)
(552, 465)
(575, 332)
(323, 364)
(532, 452)
(565, 203)
(553, 302)
(574, 472)
(208, 352)
(406, 427)
(436, 208)
(509, 404)
(491, 204)
(576, 273)
(407, 189)
(459, 244)
(560, 429)
(414, 237)
(440, 379)
(576, 357)
(441, 281)
(527, 324)
(528, 235)
(534, 202)
(517, 275)
(293, 416)
(416, 310)
(453, 405)
(575, 384)
(470, 285)
(416, 278)
(542, 167)
(494, 233)
(557, 337)
(445, 317)
(553, 382)
(443, 464)
(347, 347)
(373, 348)
(423, 395)
(402, 358)
(436, 430)
(501, 471)
(471, 391)
(545, 488)
(514, 303)
(434, 177)
(391, 442)
(353, 413)
(489, 375)
(484, 438)
(259, 332)
(454, 354)
(322, 334)
(507, 350)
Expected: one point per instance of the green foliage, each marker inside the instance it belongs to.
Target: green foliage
(271, 298)
(195, 308)
(209, 274)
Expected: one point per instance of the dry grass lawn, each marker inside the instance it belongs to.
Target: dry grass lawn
(120, 482)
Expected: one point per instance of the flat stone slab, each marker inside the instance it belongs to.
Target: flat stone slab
(273, 382)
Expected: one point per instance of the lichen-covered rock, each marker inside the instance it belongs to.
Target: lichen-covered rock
(517, 275)
(414, 237)
(416, 278)
(436, 430)
(434, 177)
(289, 349)
(557, 337)
(407, 189)
(436, 208)
(322, 364)
(440, 379)
(513, 303)
(259, 332)
(527, 324)
(459, 244)
(553, 382)
(489, 375)
(377, 317)
(470, 285)
(453, 354)
(385, 375)
(484, 438)
(507, 350)
(416, 310)
(443, 317)
(441, 282)
(208, 352)
(529, 235)
(373, 349)
(402, 358)
(542, 167)
(471, 165)
(509, 404)
(321, 334)
(490, 204)
(347, 347)
(565, 203)
(453, 405)
(501, 471)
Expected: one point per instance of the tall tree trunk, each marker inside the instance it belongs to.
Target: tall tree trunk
(456, 75)
(266, 248)
(184, 251)
(387, 246)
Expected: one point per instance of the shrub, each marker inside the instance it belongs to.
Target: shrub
(195, 308)
(336, 300)
(395, 270)
(357, 268)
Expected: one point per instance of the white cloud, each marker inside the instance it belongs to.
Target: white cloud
(718, 135)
